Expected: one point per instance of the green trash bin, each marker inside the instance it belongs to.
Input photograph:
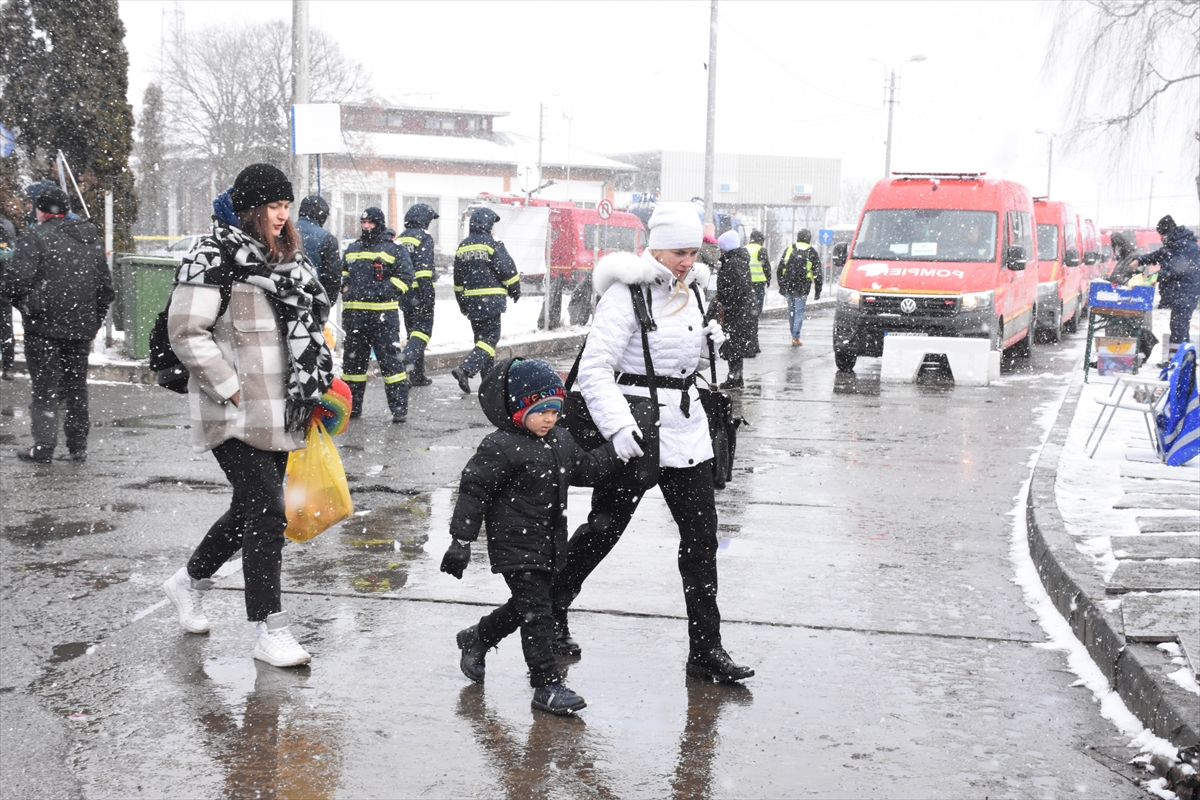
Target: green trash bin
(143, 284)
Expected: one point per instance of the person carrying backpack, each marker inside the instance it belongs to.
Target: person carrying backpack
(799, 271)
(257, 370)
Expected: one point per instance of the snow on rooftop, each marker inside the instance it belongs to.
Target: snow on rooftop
(431, 101)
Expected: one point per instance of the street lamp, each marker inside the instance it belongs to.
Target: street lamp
(891, 101)
(1049, 158)
(1150, 204)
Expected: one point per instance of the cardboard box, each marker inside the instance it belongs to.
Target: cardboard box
(1115, 346)
(1107, 364)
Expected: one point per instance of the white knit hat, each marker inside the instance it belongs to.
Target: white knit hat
(675, 226)
(729, 240)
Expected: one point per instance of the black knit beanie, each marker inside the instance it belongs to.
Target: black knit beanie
(259, 184)
(1165, 225)
(533, 386)
(52, 201)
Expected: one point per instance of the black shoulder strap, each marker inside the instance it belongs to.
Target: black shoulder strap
(641, 308)
(712, 351)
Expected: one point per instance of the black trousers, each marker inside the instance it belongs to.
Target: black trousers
(530, 610)
(253, 524)
(1181, 320)
(378, 331)
(7, 344)
(418, 320)
(58, 378)
(690, 496)
(487, 334)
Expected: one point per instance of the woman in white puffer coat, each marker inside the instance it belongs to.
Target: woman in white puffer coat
(612, 366)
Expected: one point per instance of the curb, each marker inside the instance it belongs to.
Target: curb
(1136, 670)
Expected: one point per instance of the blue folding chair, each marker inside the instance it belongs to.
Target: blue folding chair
(1179, 421)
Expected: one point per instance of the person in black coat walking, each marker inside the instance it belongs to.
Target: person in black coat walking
(484, 273)
(418, 304)
(59, 279)
(738, 302)
(1178, 277)
(517, 481)
(320, 245)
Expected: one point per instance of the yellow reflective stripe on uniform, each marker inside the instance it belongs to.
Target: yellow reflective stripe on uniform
(345, 272)
(409, 240)
(348, 378)
(423, 273)
(458, 288)
(481, 292)
(511, 280)
(363, 255)
(424, 337)
(476, 248)
(399, 376)
(358, 305)
(399, 284)
(487, 348)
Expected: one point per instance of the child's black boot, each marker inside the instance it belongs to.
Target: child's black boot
(473, 653)
(557, 699)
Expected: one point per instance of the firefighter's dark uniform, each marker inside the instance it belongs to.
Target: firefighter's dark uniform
(484, 274)
(418, 303)
(760, 268)
(376, 272)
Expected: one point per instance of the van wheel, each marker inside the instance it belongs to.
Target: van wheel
(1054, 332)
(844, 359)
(1024, 348)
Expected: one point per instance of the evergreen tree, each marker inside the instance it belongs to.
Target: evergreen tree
(152, 162)
(65, 80)
(22, 71)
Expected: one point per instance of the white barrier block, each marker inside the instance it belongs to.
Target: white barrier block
(972, 361)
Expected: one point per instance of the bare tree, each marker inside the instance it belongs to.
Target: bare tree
(228, 93)
(852, 198)
(1136, 71)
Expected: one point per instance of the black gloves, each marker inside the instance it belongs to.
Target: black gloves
(458, 555)
(514, 292)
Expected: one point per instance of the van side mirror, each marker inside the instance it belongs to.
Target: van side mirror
(1071, 258)
(1091, 257)
(1014, 258)
(840, 252)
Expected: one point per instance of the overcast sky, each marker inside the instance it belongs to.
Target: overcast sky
(794, 78)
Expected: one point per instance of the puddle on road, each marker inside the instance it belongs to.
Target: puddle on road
(141, 421)
(69, 651)
(45, 528)
(182, 484)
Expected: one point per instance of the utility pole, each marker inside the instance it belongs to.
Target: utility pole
(710, 136)
(541, 138)
(300, 86)
(887, 160)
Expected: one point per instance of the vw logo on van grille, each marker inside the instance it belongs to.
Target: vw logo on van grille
(908, 305)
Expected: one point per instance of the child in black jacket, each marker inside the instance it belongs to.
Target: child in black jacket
(517, 480)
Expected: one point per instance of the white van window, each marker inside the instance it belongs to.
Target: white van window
(1020, 230)
(927, 234)
(1047, 238)
(609, 238)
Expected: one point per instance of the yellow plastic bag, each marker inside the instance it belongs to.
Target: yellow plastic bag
(317, 495)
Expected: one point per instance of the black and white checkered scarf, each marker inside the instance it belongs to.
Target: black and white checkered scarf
(299, 301)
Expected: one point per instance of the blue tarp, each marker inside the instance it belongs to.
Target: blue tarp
(1179, 422)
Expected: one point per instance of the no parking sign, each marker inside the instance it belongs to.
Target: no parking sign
(604, 208)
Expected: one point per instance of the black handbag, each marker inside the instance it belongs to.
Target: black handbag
(639, 473)
(722, 423)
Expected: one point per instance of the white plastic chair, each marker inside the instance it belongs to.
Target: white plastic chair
(1145, 395)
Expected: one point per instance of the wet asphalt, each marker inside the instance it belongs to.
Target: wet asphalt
(865, 574)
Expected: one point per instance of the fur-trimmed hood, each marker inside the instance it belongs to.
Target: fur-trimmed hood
(630, 269)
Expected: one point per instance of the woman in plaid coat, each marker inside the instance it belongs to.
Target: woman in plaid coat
(246, 319)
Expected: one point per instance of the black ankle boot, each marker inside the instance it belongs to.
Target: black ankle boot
(557, 699)
(716, 665)
(563, 644)
(473, 653)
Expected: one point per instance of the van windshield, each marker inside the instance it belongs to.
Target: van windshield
(927, 234)
(1047, 242)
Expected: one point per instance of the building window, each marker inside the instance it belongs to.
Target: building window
(353, 204)
(432, 123)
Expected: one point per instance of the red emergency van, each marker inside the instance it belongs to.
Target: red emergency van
(1062, 278)
(942, 255)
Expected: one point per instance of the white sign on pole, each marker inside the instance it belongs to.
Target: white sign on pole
(317, 128)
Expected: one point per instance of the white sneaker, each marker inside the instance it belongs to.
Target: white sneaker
(276, 645)
(187, 595)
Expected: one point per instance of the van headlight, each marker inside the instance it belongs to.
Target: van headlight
(849, 297)
(975, 300)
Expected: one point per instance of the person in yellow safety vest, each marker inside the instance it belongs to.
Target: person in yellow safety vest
(799, 270)
(376, 272)
(484, 277)
(760, 267)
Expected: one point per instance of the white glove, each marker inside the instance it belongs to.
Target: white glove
(715, 332)
(624, 443)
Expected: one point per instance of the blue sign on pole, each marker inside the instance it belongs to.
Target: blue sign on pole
(825, 236)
